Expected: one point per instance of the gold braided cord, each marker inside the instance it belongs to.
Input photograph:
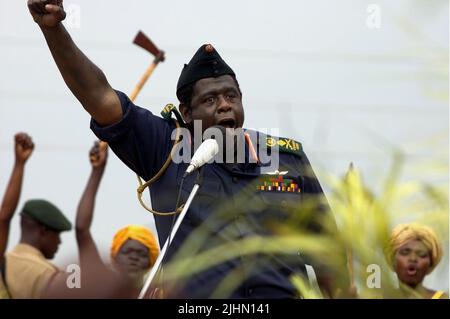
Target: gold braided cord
(143, 186)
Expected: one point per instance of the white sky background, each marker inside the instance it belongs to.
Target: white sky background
(313, 69)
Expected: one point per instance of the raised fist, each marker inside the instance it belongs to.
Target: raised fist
(98, 155)
(23, 147)
(47, 13)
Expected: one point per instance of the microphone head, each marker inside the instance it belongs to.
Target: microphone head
(206, 151)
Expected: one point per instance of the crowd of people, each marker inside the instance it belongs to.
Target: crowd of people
(413, 252)
(26, 269)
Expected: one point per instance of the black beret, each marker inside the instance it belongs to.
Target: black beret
(206, 63)
(46, 214)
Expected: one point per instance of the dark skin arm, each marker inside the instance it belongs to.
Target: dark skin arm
(86, 81)
(88, 251)
(23, 148)
(97, 280)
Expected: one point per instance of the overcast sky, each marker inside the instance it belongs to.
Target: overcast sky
(347, 90)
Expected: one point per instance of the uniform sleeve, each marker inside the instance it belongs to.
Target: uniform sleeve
(140, 139)
(42, 281)
(30, 278)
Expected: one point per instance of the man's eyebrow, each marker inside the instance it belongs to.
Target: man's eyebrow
(206, 93)
(215, 91)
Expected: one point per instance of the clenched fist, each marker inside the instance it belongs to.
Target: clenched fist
(47, 13)
(98, 155)
(23, 147)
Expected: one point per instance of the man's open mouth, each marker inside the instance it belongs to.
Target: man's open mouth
(229, 123)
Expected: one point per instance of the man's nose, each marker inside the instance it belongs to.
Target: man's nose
(224, 105)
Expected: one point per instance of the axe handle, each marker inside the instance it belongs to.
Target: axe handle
(142, 81)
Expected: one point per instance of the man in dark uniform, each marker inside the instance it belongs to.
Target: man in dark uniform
(208, 92)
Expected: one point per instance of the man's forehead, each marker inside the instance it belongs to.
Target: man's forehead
(211, 84)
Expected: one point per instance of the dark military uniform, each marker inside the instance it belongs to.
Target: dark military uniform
(248, 202)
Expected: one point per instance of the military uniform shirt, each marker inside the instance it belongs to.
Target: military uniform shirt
(143, 142)
(28, 272)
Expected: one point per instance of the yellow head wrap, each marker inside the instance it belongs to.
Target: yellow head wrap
(139, 233)
(403, 233)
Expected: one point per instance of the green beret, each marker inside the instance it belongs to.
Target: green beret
(206, 63)
(47, 214)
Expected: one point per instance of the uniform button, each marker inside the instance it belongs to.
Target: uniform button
(214, 62)
(216, 71)
(250, 291)
(283, 204)
(235, 179)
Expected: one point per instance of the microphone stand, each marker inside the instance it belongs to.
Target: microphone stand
(177, 224)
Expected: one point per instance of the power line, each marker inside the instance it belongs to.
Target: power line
(409, 58)
(406, 110)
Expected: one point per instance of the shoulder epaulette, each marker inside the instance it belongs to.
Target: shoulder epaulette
(170, 109)
(285, 145)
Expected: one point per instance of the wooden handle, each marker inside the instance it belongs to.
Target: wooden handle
(140, 85)
(142, 81)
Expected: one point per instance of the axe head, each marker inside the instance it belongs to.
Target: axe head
(144, 42)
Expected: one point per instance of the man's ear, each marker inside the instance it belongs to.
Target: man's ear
(42, 231)
(186, 112)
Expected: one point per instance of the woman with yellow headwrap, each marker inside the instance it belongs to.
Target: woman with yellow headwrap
(414, 251)
(134, 251)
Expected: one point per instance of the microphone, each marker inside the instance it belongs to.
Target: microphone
(206, 151)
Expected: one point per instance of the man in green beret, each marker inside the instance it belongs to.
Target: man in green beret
(28, 269)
